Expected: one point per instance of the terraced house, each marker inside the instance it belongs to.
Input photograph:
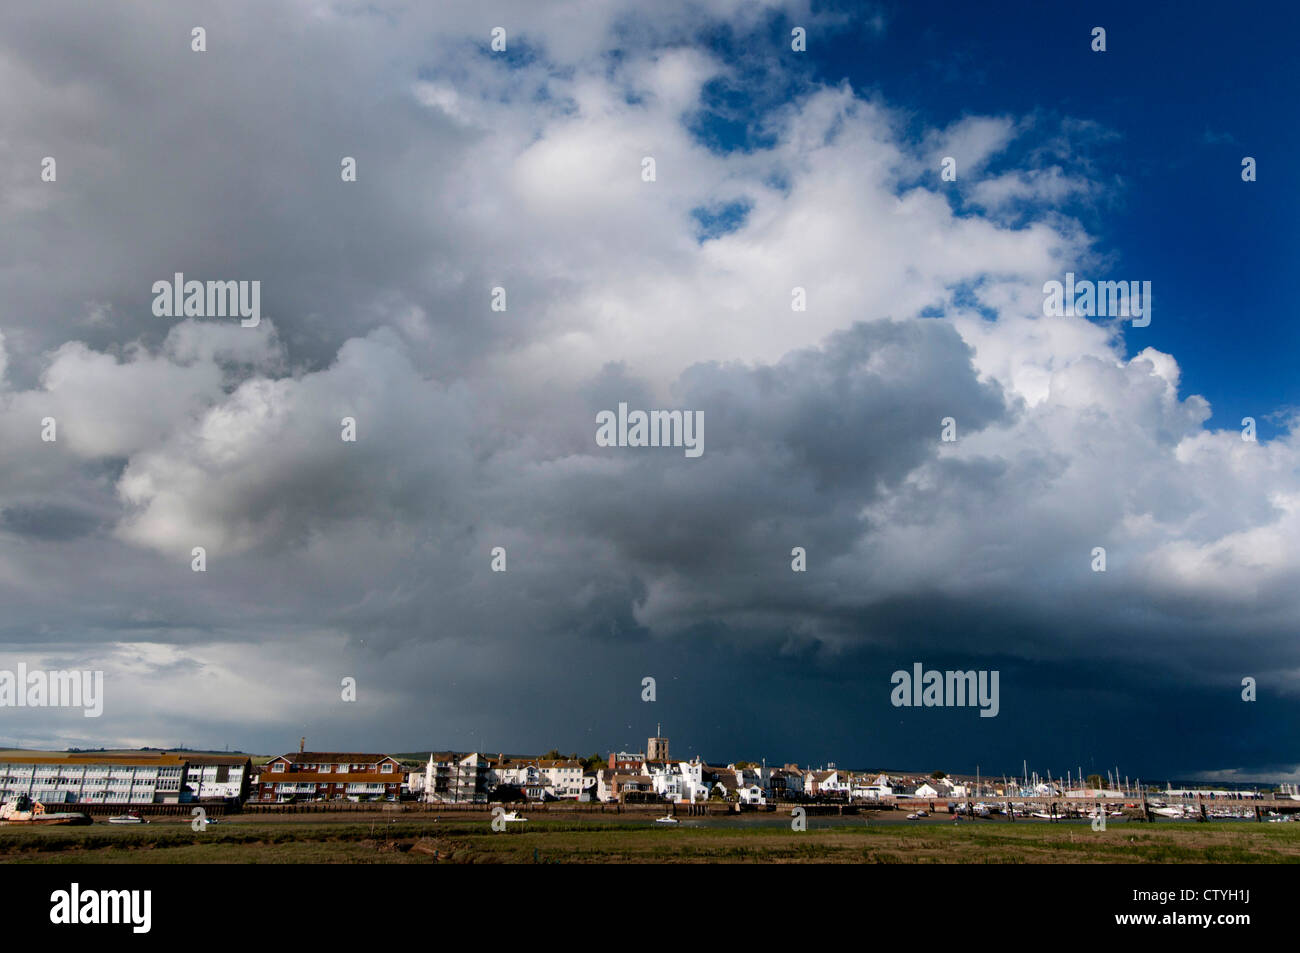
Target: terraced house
(327, 776)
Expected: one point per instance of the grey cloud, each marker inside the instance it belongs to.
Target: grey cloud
(48, 521)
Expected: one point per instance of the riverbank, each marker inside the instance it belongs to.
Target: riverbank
(296, 839)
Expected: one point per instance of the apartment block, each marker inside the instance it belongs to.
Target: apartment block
(56, 778)
(329, 775)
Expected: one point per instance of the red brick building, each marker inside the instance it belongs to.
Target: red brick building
(324, 776)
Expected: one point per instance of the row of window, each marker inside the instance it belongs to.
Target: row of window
(279, 768)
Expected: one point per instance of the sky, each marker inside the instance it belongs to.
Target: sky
(476, 428)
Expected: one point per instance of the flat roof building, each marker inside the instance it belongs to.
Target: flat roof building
(61, 778)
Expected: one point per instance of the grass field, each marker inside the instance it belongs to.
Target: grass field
(379, 841)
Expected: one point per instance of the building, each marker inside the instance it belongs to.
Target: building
(783, 783)
(875, 790)
(564, 778)
(605, 785)
(826, 783)
(216, 776)
(326, 776)
(627, 761)
(58, 778)
(633, 788)
(927, 789)
(451, 777)
(679, 781)
(525, 774)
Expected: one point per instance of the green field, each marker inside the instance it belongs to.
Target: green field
(311, 839)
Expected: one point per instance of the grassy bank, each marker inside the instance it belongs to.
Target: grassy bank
(563, 841)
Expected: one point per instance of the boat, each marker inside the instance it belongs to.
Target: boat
(1176, 813)
(1044, 816)
(513, 818)
(24, 811)
(918, 815)
(130, 817)
(666, 819)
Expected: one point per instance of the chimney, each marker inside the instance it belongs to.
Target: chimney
(302, 744)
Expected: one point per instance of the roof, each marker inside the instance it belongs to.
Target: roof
(333, 757)
(165, 760)
(458, 756)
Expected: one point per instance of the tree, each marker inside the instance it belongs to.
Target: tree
(937, 775)
(1095, 781)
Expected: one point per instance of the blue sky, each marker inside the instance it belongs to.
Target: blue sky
(1183, 92)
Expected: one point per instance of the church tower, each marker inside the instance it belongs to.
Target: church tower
(656, 748)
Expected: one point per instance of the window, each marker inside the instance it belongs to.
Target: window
(278, 768)
(386, 768)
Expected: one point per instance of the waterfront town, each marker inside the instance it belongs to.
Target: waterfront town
(148, 777)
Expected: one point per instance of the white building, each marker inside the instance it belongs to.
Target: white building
(680, 781)
(563, 778)
(213, 776)
(829, 782)
(455, 778)
(93, 779)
